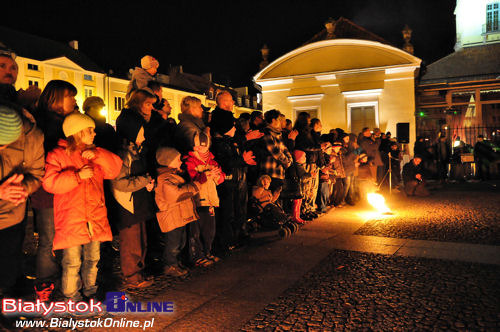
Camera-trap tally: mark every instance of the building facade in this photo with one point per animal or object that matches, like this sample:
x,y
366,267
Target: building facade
x,y
41,60
459,94
346,83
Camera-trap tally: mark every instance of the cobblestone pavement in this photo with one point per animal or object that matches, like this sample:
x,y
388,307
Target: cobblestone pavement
x,y
350,290
459,213
357,291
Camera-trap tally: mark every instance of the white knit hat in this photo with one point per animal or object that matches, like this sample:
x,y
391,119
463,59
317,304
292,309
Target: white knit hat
x,y
148,62
76,122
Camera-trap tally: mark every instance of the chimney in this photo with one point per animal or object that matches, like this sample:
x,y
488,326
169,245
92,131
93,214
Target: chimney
x,y
74,44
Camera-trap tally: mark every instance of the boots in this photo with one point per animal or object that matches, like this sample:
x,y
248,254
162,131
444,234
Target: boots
x,y
296,211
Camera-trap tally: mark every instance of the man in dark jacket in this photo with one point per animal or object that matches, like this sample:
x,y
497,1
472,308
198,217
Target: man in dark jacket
x,y
233,192
413,180
371,147
482,154
8,76
442,150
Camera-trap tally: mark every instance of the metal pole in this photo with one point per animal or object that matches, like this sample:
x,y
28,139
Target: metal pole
x,y
390,174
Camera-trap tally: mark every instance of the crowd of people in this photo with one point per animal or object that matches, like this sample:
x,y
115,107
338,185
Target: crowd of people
x,y
197,182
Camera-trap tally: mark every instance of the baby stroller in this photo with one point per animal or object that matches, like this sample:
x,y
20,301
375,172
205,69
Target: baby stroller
x,y
270,217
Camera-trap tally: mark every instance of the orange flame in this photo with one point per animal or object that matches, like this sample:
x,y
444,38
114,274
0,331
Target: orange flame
x,y
378,202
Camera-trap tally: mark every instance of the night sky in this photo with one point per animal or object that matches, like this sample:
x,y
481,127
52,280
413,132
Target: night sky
x,y
223,37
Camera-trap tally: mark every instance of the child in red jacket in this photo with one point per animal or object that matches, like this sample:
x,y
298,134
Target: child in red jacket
x,y
206,174
74,173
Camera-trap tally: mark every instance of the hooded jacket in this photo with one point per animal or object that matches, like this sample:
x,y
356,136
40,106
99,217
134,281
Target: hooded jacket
x,y
175,200
24,156
80,214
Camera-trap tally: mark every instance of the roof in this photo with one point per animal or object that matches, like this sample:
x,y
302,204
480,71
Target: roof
x,y
346,29
337,55
467,64
41,49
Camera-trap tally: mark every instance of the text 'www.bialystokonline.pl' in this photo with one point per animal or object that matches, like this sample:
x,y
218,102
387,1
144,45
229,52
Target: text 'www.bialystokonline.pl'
x,y
71,323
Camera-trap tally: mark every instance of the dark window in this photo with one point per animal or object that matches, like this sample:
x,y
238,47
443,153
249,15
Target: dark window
x,y
119,103
88,77
32,67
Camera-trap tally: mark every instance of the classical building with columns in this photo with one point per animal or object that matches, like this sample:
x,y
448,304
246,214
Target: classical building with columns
x,y
347,77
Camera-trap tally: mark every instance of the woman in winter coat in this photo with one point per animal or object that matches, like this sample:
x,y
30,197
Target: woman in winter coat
x,y
74,173
190,124
56,102
132,192
177,209
207,175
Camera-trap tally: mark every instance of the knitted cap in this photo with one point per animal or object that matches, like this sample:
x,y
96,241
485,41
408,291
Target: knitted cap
x,y
222,122
165,155
148,62
76,122
11,125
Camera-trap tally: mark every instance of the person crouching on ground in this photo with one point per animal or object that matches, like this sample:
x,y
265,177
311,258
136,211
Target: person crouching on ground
x,y
413,180
207,174
74,173
273,215
175,199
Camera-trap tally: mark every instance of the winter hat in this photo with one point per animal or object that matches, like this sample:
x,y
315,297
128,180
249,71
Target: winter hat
x,y
128,124
76,122
298,154
201,139
148,62
165,155
222,122
92,101
11,125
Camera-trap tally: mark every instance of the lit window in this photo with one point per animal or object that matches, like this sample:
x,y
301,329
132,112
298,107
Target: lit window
x,y
89,92
119,103
88,77
32,66
492,17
